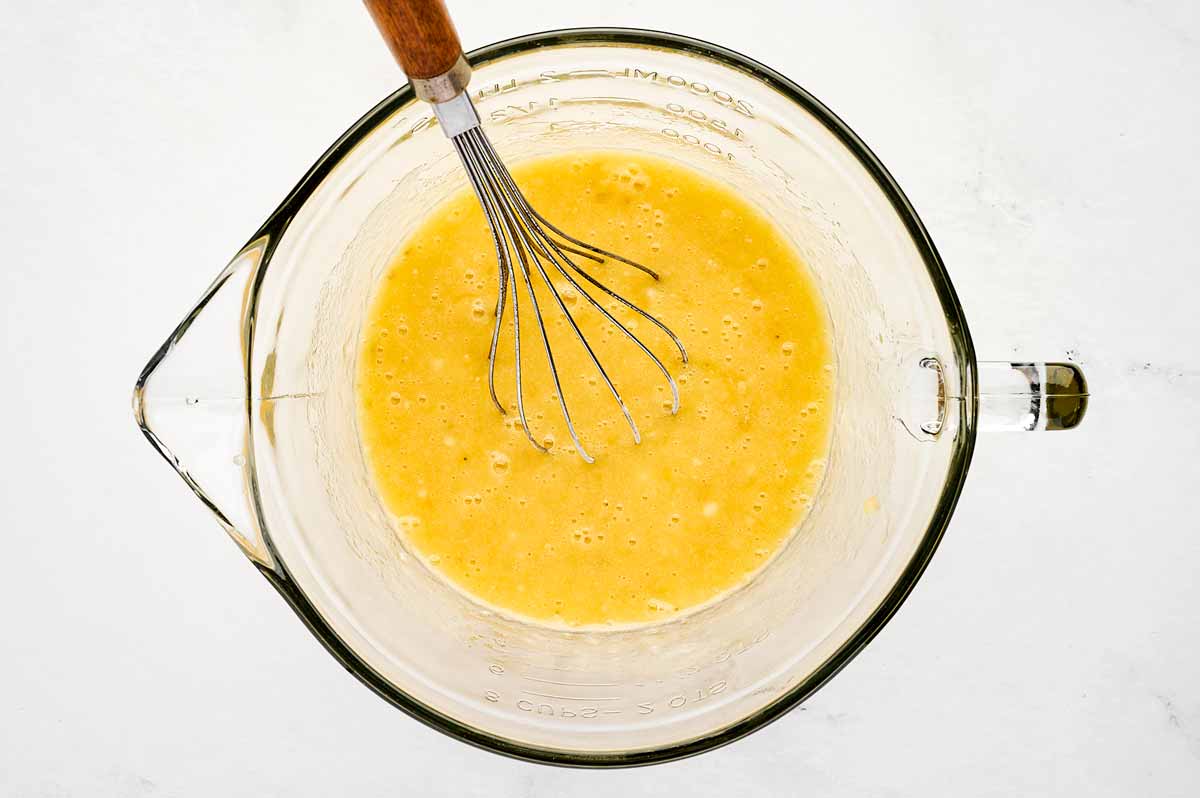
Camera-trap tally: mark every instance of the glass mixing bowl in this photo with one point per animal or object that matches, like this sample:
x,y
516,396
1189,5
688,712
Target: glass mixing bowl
x,y
251,400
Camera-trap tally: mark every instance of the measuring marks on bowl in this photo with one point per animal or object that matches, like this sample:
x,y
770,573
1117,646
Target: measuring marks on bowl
x,y
551,695
692,121
580,696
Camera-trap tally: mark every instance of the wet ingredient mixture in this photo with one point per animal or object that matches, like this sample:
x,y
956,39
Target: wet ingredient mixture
x,y
648,530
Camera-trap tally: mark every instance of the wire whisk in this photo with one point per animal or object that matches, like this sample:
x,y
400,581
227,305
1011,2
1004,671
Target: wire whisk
x,y
424,41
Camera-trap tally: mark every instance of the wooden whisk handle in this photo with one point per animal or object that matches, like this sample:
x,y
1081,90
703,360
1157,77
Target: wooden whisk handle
x,y
419,34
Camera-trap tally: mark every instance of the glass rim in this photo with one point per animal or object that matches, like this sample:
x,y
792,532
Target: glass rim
x,y
280,577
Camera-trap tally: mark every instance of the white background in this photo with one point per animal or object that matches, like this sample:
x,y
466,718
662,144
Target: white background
x,y
1053,648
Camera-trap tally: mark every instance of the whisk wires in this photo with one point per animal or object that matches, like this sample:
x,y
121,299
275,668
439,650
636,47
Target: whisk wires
x,y
529,247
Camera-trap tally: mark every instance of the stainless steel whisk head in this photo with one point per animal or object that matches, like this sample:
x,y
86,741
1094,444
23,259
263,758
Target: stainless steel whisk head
x,y
528,246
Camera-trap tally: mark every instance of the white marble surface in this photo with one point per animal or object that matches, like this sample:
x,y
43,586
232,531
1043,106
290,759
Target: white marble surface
x,y
1051,649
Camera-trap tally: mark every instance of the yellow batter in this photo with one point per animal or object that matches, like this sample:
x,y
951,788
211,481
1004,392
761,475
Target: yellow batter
x,y
648,530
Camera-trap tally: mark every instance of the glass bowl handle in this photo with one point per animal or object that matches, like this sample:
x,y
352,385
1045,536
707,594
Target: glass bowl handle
x,y
1029,397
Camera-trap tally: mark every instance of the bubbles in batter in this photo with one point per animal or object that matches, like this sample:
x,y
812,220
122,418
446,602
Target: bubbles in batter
x,y
647,531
